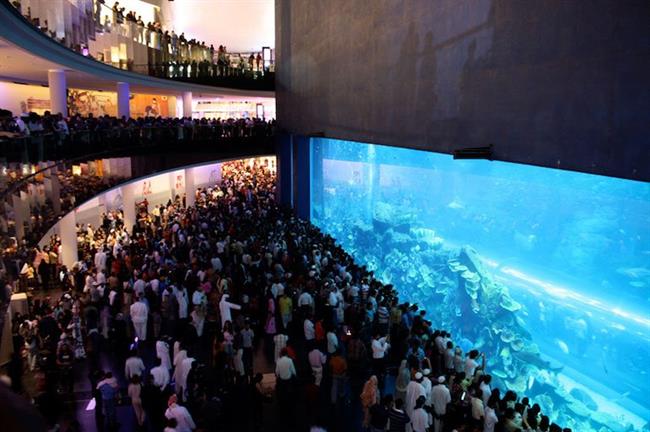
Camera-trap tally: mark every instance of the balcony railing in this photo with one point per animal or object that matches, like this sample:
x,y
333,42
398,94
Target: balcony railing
x,y
93,29
39,147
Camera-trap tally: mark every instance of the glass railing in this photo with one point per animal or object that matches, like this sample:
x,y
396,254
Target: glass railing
x,y
95,30
47,146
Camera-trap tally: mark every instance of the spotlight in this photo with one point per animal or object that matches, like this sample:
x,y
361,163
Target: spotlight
x,y
474,153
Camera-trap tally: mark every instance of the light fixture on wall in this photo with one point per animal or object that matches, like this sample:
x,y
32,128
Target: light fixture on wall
x,y
474,153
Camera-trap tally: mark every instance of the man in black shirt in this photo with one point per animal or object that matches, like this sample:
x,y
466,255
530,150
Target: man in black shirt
x,y
398,418
379,414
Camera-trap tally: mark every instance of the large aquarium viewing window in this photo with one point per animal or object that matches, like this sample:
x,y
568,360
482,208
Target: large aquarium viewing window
x,y
546,271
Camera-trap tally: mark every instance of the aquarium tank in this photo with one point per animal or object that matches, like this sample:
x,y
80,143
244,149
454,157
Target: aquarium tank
x,y
547,271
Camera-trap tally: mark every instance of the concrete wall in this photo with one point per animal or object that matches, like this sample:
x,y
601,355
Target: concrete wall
x,y
549,82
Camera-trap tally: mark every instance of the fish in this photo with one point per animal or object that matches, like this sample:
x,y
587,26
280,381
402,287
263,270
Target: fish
x,y
622,396
634,272
531,381
562,345
456,205
526,242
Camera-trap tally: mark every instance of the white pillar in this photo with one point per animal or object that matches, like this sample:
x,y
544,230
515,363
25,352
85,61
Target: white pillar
x,y
190,189
123,95
187,104
58,91
128,205
68,234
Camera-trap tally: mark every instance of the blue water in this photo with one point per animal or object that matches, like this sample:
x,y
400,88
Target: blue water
x,y
547,271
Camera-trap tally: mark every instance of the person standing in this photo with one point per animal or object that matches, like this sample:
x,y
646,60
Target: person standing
x,y
279,342
100,260
332,341
478,413
162,352
420,419
247,337
369,398
224,309
160,375
316,360
379,414
338,369
440,398
413,391
108,388
134,390
133,366
309,330
286,308
379,347
491,418
285,373
397,418
184,421
139,315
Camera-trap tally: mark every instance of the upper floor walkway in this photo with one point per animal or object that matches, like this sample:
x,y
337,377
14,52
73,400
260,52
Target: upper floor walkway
x,y
99,36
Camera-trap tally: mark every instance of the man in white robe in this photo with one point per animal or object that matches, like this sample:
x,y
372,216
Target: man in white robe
x,y
184,421
440,398
186,367
139,315
413,391
160,376
162,352
224,309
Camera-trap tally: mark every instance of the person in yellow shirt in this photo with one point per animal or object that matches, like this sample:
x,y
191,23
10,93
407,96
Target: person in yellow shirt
x,y
286,309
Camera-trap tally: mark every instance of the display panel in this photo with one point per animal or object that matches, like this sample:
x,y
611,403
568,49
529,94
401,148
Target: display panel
x,y
546,271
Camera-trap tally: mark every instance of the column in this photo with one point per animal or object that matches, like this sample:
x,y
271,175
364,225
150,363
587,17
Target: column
x,y
128,205
187,104
123,98
284,157
302,173
68,234
190,189
58,91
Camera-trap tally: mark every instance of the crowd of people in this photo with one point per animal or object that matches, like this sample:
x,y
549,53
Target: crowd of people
x,y
49,136
186,301
29,124
171,55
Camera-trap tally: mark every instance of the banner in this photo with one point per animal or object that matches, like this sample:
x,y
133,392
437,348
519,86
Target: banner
x,y
144,105
97,103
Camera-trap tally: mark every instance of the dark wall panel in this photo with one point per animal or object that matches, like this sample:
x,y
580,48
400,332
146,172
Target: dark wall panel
x,y
548,82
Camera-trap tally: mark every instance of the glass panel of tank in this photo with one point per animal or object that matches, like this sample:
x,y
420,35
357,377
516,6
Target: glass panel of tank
x,y
547,271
